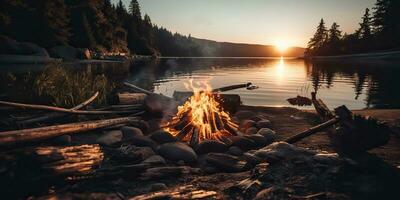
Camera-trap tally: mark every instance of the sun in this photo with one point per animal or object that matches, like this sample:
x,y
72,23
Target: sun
x,y
281,45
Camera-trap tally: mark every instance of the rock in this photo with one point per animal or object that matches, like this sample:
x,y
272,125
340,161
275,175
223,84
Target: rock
x,y
236,151
269,134
226,162
251,159
67,53
85,54
243,143
244,114
155,160
129,132
162,137
177,151
281,150
258,139
247,124
143,141
158,187
132,154
63,139
110,137
208,146
265,123
327,158
251,130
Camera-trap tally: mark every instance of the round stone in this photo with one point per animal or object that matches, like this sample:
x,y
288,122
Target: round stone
x,y
236,151
243,143
155,160
268,134
162,137
265,123
110,137
208,146
247,124
177,151
251,130
130,131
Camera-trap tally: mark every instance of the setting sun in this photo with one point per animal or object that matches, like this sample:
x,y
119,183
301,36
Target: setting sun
x,y
281,45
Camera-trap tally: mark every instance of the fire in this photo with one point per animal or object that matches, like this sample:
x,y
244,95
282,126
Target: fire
x,y
201,117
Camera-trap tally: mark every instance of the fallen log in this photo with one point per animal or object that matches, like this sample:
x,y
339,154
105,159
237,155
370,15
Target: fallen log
x,y
131,98
63,110
52,116
9,138
312,131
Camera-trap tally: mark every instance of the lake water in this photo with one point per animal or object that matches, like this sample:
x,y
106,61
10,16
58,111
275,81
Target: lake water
x,y
357,85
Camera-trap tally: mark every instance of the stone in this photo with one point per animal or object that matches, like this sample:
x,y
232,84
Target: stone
x,y
157,187
247,124
144,152
265,123
130,131
269,134
226,162
251,130
235,151
259,139
155,160
162,137
243,143
132,154
110,137
143,141
251,159
208,146
327,158
281,150
177,151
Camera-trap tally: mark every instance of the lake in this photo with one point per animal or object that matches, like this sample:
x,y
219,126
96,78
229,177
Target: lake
x,y
358,85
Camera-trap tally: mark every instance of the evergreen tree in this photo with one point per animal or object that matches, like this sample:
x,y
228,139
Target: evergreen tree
x,y
319,38
380,17
364,32
334,33
134,10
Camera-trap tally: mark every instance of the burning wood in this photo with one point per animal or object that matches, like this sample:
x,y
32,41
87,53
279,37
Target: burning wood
x,y
201,117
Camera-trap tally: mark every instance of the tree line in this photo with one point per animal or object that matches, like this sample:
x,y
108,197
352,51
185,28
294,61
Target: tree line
x,y
95,24
378,30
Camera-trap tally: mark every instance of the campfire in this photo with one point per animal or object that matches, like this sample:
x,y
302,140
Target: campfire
x,y
201,117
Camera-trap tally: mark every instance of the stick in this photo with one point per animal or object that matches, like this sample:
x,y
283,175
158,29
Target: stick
x,y
37,134
231,87
312,130
53,116
138,88
63,110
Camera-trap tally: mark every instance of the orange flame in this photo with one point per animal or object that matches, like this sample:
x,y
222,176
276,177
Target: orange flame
x,y
201,113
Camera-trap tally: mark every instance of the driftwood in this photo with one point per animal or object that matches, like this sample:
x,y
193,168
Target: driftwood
x,y
231,87
36,134
312,131
62,110
131,98
52,116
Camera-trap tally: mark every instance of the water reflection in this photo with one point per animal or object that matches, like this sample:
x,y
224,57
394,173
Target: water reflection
x,y
357,85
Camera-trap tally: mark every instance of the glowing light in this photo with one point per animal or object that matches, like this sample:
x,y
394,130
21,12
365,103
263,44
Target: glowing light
x,y
281,45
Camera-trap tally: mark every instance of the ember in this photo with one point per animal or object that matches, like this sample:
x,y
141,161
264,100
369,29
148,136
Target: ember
x,y
201,117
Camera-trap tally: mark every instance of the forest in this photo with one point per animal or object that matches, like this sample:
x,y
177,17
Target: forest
x,y
101,26
379,30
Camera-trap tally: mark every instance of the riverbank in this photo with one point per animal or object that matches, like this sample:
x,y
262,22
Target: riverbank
x,y
387,55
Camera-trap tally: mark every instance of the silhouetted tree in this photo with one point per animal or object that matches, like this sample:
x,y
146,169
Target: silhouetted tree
x,y
365,26
319,38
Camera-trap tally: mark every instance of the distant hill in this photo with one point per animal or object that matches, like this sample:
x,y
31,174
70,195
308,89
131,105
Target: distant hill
x,y
210,48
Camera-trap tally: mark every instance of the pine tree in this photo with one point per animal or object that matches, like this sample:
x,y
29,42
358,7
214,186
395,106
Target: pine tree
x,y
380,17
134,10
334,33
364,31
319,38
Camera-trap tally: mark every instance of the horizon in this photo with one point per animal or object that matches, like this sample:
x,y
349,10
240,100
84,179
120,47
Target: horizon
x,y
289,24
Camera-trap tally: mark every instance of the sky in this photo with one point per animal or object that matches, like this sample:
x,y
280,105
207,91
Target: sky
x,y
276,22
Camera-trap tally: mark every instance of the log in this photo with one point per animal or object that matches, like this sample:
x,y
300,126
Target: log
x,y
131,98
144,91
52,116
36,134
62,110
312,131
231,87
322,110
194,140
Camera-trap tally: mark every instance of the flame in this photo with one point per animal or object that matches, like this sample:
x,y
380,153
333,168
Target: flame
x,y
202,114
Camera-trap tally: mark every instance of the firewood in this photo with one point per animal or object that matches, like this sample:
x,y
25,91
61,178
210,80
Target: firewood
x,y
52,116
194,140
36,134
131,98
187,129
62,110
218,121
231,87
